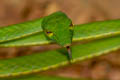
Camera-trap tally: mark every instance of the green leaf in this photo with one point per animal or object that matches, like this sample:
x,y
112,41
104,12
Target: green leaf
x,y
30,33
20,30
81,32
55,58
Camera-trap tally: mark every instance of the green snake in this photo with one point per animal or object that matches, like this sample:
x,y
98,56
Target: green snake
x,y
56,27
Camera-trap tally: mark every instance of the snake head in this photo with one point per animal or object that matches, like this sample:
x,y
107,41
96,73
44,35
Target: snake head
x,y
58,27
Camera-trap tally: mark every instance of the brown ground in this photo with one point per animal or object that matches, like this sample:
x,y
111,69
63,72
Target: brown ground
x,y
80,11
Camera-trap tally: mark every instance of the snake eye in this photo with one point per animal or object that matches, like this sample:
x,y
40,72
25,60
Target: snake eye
x,y
71,26
49,33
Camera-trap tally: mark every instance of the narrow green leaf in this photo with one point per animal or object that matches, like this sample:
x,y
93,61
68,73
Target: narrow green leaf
x,y
81,32
55,58
37,39
20,30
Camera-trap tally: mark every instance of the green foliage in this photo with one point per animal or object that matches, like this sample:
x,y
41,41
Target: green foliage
x,y
55,58
102,38
20,30
82,32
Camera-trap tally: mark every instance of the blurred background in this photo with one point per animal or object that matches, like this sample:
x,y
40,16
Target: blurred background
x,y
80,11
